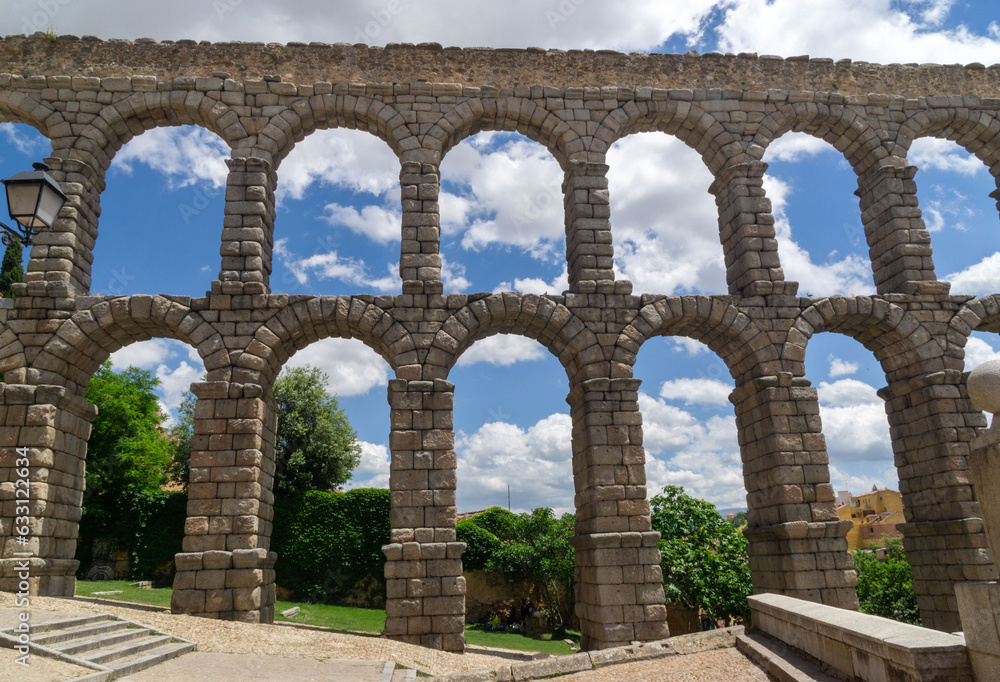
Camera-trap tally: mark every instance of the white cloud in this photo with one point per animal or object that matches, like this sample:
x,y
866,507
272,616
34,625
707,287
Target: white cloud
x,y
505,190
848,275
944,155
862,482
797,147
978,279
352,367
330,265
840,367
144,355
874,30
535,463
697,391
854,421
978,350
377,223
503,350
689,345
24,139
177,381
373,469
350,159
453,276
536,285
631,24
186,156
665,221
666,427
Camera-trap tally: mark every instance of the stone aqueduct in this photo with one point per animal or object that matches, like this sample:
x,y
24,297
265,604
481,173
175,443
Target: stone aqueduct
x,y
89,97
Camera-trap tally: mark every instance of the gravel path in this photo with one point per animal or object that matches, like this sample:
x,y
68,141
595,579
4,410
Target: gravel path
x,y
308,642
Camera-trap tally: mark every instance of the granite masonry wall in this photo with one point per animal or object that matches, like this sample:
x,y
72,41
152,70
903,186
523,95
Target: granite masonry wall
x,y
90,97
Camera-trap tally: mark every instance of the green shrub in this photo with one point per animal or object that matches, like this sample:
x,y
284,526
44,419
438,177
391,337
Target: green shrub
x,y
498,521
151,556
482,544
885,587
328,542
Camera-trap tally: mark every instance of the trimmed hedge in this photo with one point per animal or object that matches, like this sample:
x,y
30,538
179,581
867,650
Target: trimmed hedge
x,y
497,521
327,542
482,544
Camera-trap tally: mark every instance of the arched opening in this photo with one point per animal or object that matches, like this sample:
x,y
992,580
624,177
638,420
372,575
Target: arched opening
x,y
162,214
817,221
954,188
136,470
514,451
501,194
337,230
331,392
663,218
690,438
20,146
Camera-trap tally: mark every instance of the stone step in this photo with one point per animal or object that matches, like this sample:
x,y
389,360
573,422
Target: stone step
x,y
111,656
781,661
150,658
404,675
53,639
104,641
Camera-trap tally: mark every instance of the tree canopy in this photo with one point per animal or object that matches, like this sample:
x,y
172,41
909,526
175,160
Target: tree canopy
x,y
12,268
885,586
128,455
704,559
316,448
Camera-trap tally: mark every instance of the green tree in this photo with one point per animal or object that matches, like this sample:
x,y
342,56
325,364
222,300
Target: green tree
x,y
182,432
536,548
12,269
704,559
316,447
128,456
885,586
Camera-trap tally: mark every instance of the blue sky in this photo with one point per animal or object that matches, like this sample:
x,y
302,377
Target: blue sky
x,y
337,227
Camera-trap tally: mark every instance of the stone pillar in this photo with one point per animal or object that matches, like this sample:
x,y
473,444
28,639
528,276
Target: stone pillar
x,y
590,253
53,426
932,422
746,230
898,242
225,570
248,225
61,256
979,602
798,545
425,590
619,583
420,257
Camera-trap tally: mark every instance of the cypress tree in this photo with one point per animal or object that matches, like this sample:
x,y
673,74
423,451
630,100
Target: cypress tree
x,y
11,270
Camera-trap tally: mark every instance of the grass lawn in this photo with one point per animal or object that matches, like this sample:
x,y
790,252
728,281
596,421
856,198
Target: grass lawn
x,y
333,617
157,597
474,634
330,616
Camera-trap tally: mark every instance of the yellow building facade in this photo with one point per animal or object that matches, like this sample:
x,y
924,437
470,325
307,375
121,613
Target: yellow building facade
x,y
874,516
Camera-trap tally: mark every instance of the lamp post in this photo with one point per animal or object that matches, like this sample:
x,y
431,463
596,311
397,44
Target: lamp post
x,y
34,200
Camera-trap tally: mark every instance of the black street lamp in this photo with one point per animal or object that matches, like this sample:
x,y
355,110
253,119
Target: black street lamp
x,y
34,200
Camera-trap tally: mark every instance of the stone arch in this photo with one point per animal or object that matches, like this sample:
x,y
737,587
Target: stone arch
x,y
978,132
11,349
282,131
552,324
513,114
981,314
118,123
16,107
713,320
686,121
90,336
896,338
303,322
847,130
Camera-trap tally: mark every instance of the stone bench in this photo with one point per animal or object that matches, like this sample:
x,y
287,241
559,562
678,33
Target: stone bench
x,y
859,646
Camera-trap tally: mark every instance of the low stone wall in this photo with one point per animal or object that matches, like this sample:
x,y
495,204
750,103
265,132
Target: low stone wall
x,y
860,646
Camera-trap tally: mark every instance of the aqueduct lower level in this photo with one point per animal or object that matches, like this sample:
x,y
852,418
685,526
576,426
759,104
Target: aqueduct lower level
x,y
90,97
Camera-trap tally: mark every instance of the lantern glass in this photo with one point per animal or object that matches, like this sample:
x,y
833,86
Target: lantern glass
x,y
34,199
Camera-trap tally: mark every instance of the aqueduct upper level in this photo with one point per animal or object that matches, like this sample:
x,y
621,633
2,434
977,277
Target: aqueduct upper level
x,y
90,97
